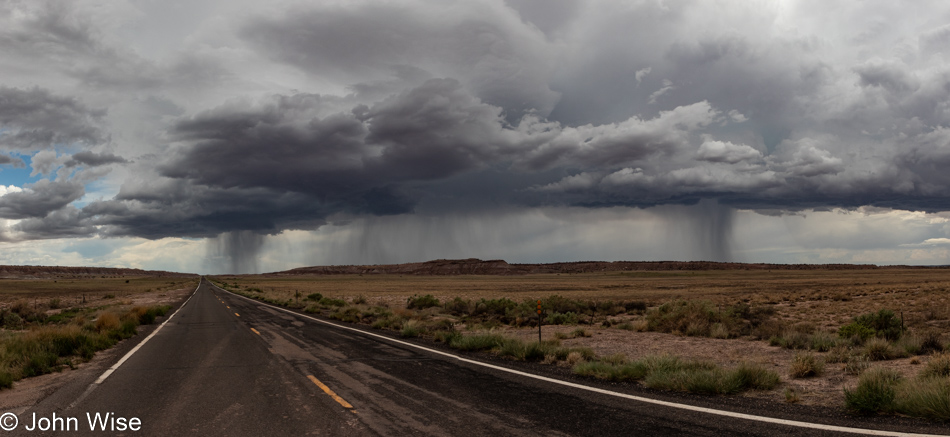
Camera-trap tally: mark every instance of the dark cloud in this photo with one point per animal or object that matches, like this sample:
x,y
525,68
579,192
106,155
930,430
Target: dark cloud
x,y
34,119
92,159
157,207
12,161
346,158
487,47
39,199
266,119
46,28
62,223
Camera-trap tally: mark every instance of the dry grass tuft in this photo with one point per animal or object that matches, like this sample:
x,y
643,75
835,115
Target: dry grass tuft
x,y
806,365
107,322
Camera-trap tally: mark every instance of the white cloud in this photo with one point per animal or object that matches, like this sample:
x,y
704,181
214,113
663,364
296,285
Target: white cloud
x,y
4,189
727,152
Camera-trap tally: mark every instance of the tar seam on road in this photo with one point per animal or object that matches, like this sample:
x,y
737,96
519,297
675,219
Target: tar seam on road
x,y
129,354
327,390
786,422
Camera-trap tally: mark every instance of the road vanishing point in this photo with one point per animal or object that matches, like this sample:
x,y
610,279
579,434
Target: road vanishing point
x,y
225,365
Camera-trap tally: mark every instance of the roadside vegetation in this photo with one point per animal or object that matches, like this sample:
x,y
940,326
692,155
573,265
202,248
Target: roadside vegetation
x,y
882,390
33,343
57,322
852,340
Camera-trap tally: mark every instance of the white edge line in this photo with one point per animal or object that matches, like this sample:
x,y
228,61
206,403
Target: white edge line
x,y
138,346
793,423
129,354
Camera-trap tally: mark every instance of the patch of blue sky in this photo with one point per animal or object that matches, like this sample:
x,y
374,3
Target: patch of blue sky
x,y
10,175
96,190
95,247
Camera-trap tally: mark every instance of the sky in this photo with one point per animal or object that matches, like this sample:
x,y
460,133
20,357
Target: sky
x,y
234,136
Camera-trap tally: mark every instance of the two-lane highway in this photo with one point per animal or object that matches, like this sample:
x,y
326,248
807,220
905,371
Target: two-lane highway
x,y
225,365
205,373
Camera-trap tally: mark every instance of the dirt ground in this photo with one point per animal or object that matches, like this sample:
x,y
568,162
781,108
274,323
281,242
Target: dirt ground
x,y
825,390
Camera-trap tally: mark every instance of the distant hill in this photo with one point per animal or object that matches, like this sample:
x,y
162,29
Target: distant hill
x,y
473,266
42,272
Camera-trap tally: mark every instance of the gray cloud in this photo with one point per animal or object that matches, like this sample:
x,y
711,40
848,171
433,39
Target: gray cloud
x,y
65,222
486,46
39,199
92,159
33,119
11,161
266,119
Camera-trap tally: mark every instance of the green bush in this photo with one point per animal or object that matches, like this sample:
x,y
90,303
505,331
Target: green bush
x,y
459,306
559,304
754,376
388,322
422,302
672,373
924,397
568,318
328,302
494,307
348,314
410,329
875,391
702,318
530,351
856,330
611,371
882,324
681,316
316,297
877,349
476,342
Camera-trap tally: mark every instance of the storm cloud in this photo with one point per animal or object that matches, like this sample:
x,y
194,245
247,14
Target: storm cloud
x,y
236,121
35,119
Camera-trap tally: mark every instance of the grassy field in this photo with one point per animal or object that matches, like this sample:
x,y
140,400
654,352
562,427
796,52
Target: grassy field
x,y
822,297
71,288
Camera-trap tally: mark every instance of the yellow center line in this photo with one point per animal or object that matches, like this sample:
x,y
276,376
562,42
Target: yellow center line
x,y
228,307
255,331
236,314
327,390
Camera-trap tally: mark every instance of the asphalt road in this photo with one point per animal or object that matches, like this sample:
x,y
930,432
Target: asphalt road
x,y
227,366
